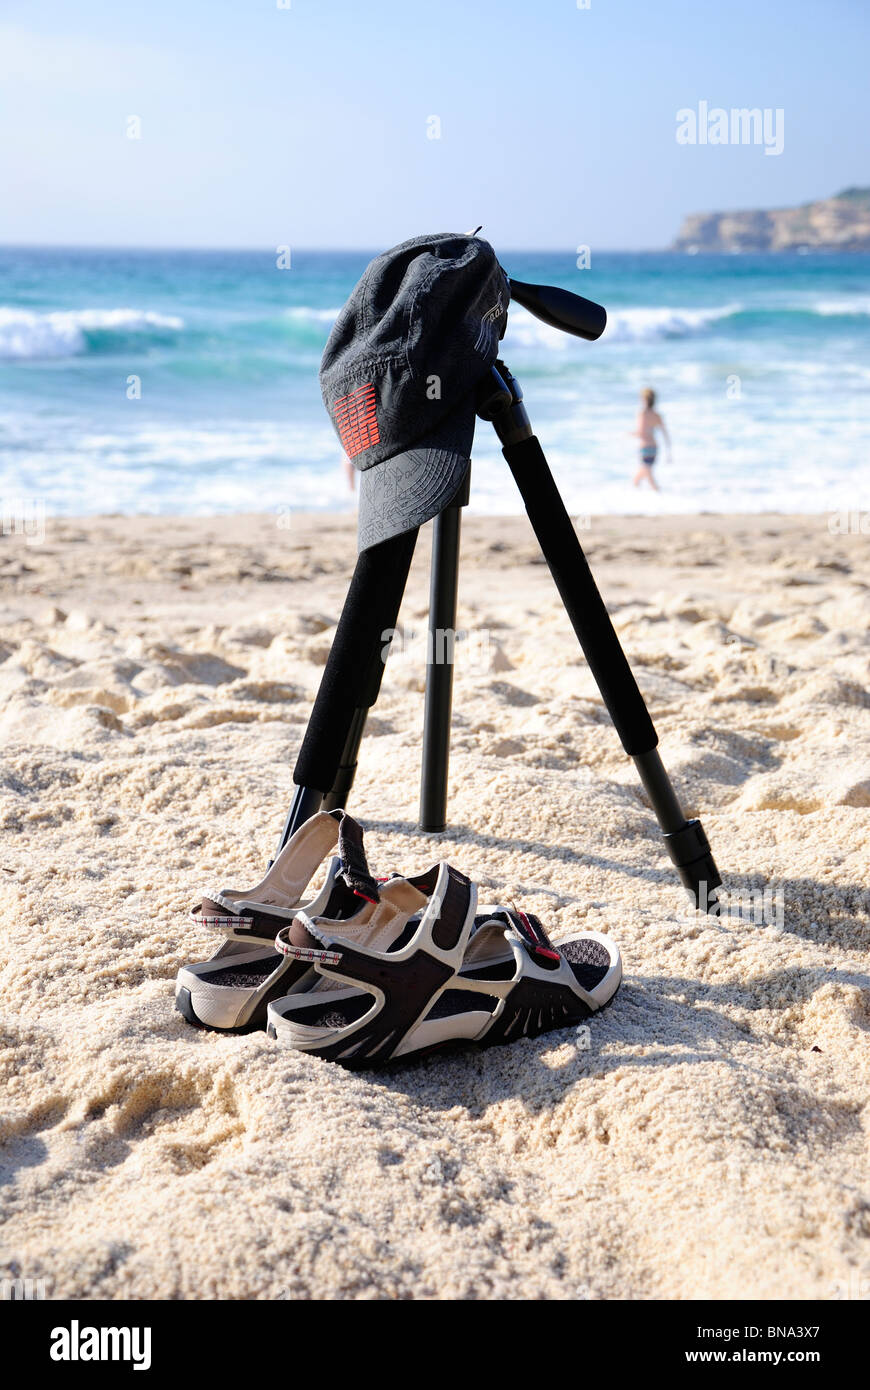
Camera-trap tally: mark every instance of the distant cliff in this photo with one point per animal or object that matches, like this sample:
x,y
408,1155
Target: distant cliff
x,y
841,223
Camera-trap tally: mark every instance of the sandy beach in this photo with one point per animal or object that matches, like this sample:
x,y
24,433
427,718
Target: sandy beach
x,y
156,676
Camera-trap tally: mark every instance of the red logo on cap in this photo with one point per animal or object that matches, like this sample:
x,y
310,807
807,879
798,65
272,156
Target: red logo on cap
x,y
355,420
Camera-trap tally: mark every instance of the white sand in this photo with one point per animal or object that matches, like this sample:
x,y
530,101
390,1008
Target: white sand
x,y
156,679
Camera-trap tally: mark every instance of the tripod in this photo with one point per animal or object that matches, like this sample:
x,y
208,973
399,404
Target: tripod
x,y
351,680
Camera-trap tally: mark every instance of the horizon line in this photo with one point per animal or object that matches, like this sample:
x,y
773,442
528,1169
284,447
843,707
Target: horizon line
x,y
270,250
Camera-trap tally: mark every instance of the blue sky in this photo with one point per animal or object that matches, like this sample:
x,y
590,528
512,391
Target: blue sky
x,y
308,126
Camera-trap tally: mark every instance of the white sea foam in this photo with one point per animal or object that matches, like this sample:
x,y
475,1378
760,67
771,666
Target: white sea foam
x,y
304,311
63,333
848,307
631,325
727,457
643,324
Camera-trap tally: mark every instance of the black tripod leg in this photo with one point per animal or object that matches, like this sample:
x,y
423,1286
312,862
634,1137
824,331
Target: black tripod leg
x,y
439,670
351,680
685,839
346,771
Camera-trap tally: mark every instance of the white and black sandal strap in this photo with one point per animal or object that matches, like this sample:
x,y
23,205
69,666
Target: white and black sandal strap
x,y
403,983
244,917
354,866
299,949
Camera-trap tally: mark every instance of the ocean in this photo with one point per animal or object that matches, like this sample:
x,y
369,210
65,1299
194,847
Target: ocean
x,y
761,365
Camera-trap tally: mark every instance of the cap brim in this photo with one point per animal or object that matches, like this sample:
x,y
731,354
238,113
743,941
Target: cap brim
x,y
407,490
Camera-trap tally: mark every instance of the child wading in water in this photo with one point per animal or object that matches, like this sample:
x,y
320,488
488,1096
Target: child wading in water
x,y
648,421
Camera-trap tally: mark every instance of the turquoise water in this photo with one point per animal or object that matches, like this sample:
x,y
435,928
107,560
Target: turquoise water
x,y
762,365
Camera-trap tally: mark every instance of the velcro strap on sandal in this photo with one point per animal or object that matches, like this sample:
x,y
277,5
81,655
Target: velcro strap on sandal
x,y
354,865
532,934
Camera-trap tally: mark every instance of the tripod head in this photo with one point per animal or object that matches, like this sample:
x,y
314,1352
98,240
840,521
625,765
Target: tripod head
x,y
561,309
499,396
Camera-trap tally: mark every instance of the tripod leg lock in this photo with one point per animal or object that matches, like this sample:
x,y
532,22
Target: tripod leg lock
x,y
690,851
339,795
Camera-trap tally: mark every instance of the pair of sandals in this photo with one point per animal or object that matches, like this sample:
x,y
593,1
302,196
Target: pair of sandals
x,y
370,970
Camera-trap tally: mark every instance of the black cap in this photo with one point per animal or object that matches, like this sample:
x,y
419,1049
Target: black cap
x,y
400,370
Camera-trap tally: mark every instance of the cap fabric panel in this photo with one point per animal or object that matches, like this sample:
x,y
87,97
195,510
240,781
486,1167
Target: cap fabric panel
x,y
399,373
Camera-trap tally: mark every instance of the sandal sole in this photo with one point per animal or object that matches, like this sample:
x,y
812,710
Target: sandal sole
x,y
501,1038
